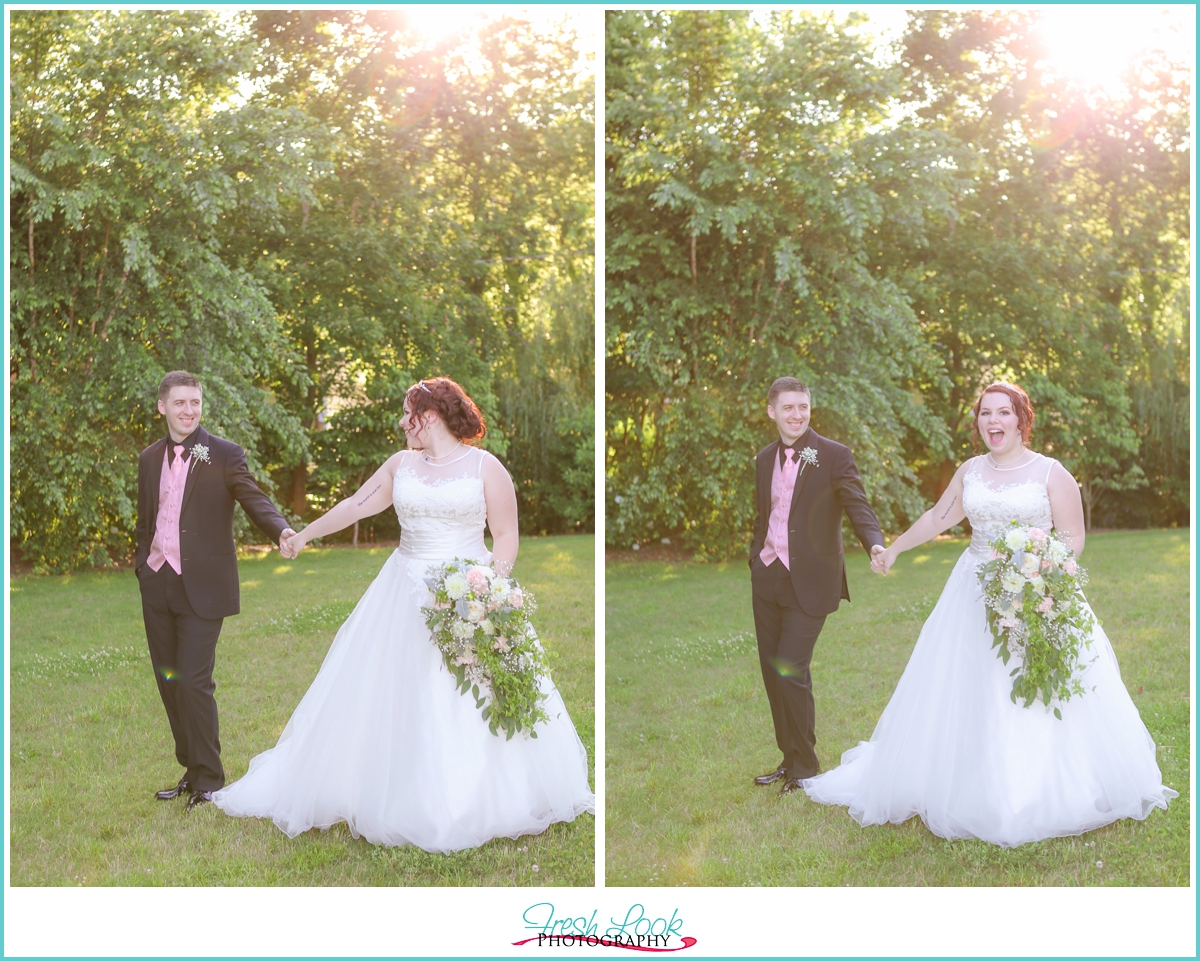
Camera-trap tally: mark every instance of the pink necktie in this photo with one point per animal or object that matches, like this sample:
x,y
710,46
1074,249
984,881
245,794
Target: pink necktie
x,y
177,465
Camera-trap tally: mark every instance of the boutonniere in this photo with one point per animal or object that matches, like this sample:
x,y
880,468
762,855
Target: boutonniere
x,y
808,456
199,453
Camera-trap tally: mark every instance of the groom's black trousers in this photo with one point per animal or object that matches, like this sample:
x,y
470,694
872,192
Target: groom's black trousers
x,y
183,649
786,637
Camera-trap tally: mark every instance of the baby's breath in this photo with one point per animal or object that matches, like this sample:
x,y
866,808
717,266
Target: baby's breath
x,y
479,620
1033,592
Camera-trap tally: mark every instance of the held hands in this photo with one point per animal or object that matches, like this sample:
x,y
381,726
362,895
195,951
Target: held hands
x,y
882,559
290,544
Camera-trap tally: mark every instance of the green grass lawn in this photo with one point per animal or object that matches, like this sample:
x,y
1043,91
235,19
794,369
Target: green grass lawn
x,y
91,744
688,727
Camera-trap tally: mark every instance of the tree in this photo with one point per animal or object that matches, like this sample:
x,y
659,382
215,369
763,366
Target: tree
x,y
130,159
748,172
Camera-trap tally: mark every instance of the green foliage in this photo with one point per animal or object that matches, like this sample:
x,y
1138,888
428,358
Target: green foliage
x,y
897,237
452,236
1063,264
130,166
308,210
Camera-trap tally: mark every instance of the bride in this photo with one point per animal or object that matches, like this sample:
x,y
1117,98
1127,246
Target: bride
x,y
951,746
382,739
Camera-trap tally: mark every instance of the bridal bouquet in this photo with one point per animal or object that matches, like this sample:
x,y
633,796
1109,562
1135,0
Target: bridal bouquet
x,y
1032,587
480,622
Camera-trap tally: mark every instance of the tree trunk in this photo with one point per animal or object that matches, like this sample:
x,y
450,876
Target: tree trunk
x,y
945,476
354,543
299,489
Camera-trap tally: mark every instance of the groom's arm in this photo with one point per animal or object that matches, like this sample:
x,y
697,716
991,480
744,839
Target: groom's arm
x,y
848,485
760,522
242,487
142,527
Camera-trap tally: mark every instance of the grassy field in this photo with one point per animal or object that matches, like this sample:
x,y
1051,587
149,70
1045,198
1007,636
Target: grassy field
x,y
688,726
91,745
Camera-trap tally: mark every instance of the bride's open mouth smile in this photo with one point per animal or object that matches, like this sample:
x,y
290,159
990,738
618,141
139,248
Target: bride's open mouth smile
x,y
995,436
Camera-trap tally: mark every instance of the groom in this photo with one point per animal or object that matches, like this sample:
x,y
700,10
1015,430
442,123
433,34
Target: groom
x,y
187,570
803,483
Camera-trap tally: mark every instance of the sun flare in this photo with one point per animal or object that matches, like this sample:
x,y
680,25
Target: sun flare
x,y
1095,44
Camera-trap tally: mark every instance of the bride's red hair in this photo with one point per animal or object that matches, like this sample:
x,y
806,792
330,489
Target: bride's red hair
x,y
1021,406
450,402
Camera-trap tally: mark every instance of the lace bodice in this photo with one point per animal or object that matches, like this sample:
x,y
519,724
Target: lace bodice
x,y
993,498
441,508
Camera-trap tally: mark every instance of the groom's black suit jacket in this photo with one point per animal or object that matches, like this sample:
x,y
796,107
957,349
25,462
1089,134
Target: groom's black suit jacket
x,y
822,492
207,552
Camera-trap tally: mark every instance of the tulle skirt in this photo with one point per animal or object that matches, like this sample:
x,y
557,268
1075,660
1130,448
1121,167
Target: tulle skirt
x,y
383,741
953,749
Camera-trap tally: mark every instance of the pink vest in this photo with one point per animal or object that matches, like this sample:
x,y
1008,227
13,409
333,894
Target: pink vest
x,y
783,483
165,546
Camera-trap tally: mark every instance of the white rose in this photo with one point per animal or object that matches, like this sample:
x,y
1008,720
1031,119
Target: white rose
x,y
1037,582
1031,564
475,611
456,585
1015,539
1012,582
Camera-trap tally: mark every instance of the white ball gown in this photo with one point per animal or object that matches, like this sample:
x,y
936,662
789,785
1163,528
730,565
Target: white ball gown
x,y
953,749
383,740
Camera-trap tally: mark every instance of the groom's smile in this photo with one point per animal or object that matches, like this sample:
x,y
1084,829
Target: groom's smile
x,y
790,412
182,408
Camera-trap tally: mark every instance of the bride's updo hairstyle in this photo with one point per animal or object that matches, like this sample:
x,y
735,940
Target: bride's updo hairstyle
x,y
1020,404
450,402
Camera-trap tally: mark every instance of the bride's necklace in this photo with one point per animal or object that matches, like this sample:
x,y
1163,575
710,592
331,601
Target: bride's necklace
x,y
992,463
438,457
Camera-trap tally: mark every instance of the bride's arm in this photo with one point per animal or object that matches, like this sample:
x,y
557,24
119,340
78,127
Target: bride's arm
x,y
1066,507
374,496
501,498
947,512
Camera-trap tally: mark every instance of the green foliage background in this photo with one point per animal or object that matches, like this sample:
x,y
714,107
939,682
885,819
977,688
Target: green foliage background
x,y
309,210
897,233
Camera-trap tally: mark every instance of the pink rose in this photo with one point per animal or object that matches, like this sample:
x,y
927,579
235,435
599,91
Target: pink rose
x,y
1047,563
1047,605
477,580
1037,534
1008,622
1070,566
516,599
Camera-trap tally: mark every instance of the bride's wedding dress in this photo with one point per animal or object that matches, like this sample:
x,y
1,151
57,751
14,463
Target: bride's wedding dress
x,y
383,740
952,748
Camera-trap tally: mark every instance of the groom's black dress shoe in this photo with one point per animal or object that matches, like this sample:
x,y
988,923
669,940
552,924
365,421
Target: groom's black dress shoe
x,y
778,774
792,786
198,798
170,793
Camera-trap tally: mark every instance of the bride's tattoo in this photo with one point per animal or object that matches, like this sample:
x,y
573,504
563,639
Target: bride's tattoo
x,y
370,495
950,508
